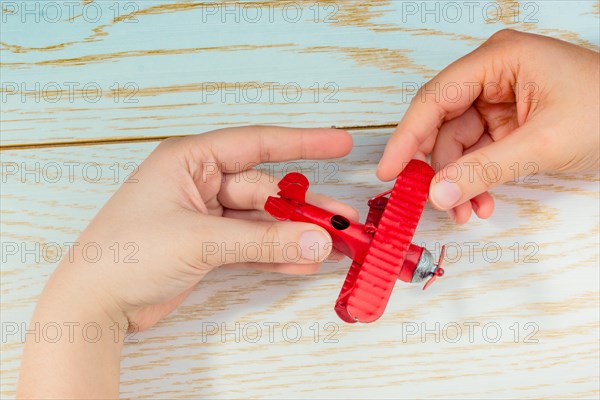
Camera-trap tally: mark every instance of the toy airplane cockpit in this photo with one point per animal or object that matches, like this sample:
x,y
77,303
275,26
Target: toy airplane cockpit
x,y
381,249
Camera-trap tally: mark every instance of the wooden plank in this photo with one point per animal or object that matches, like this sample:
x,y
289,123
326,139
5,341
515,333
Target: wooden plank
x,y
106,70
549,296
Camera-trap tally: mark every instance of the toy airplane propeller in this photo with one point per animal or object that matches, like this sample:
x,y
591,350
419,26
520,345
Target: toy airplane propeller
x,y
381,249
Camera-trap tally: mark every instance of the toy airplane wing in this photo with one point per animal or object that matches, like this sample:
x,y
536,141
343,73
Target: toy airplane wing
x,y
368,287
381,249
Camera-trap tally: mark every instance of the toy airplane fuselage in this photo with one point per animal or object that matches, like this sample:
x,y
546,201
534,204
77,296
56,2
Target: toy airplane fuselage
x,y
381,249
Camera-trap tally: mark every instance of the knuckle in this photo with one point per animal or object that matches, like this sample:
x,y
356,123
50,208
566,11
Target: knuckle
x,y
503,35
506,41
168,144
259,196
417,98
421,94
270,234
483,167
264,150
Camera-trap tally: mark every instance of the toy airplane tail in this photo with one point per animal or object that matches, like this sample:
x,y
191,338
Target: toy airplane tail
x,y
293,187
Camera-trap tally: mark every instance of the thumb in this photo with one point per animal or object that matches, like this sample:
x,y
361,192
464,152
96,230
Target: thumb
x,y
508,159
242,241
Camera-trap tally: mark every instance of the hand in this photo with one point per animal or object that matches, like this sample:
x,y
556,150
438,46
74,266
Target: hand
x,y
520,103
197,204
194,204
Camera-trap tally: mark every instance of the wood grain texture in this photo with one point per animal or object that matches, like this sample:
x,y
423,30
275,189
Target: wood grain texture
x,y
181,67
113,70
552,284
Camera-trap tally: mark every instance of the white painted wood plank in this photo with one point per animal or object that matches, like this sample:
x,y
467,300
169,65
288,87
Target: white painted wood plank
x,y
184,67
558,295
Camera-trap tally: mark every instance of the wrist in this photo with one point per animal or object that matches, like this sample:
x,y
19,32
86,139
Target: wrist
x,y
74,294
76,349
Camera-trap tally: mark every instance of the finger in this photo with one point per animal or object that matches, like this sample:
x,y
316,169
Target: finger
x,y
287,268
253,215
431,107
242,192
239,149
335,255
248,190
461,213
248,215
483,205
485,168
254,241
283,268
455,136
483,141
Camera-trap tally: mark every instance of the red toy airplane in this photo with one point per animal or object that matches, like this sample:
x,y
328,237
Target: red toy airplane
x,y
381,249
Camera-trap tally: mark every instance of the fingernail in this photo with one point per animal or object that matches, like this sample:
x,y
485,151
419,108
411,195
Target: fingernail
x,y
315,246
445,194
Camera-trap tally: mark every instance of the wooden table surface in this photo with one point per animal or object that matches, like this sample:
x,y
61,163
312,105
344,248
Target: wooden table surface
x,y
89,88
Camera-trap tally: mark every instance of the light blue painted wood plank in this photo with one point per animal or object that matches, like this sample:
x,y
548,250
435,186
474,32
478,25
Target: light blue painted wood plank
x,y
189,67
